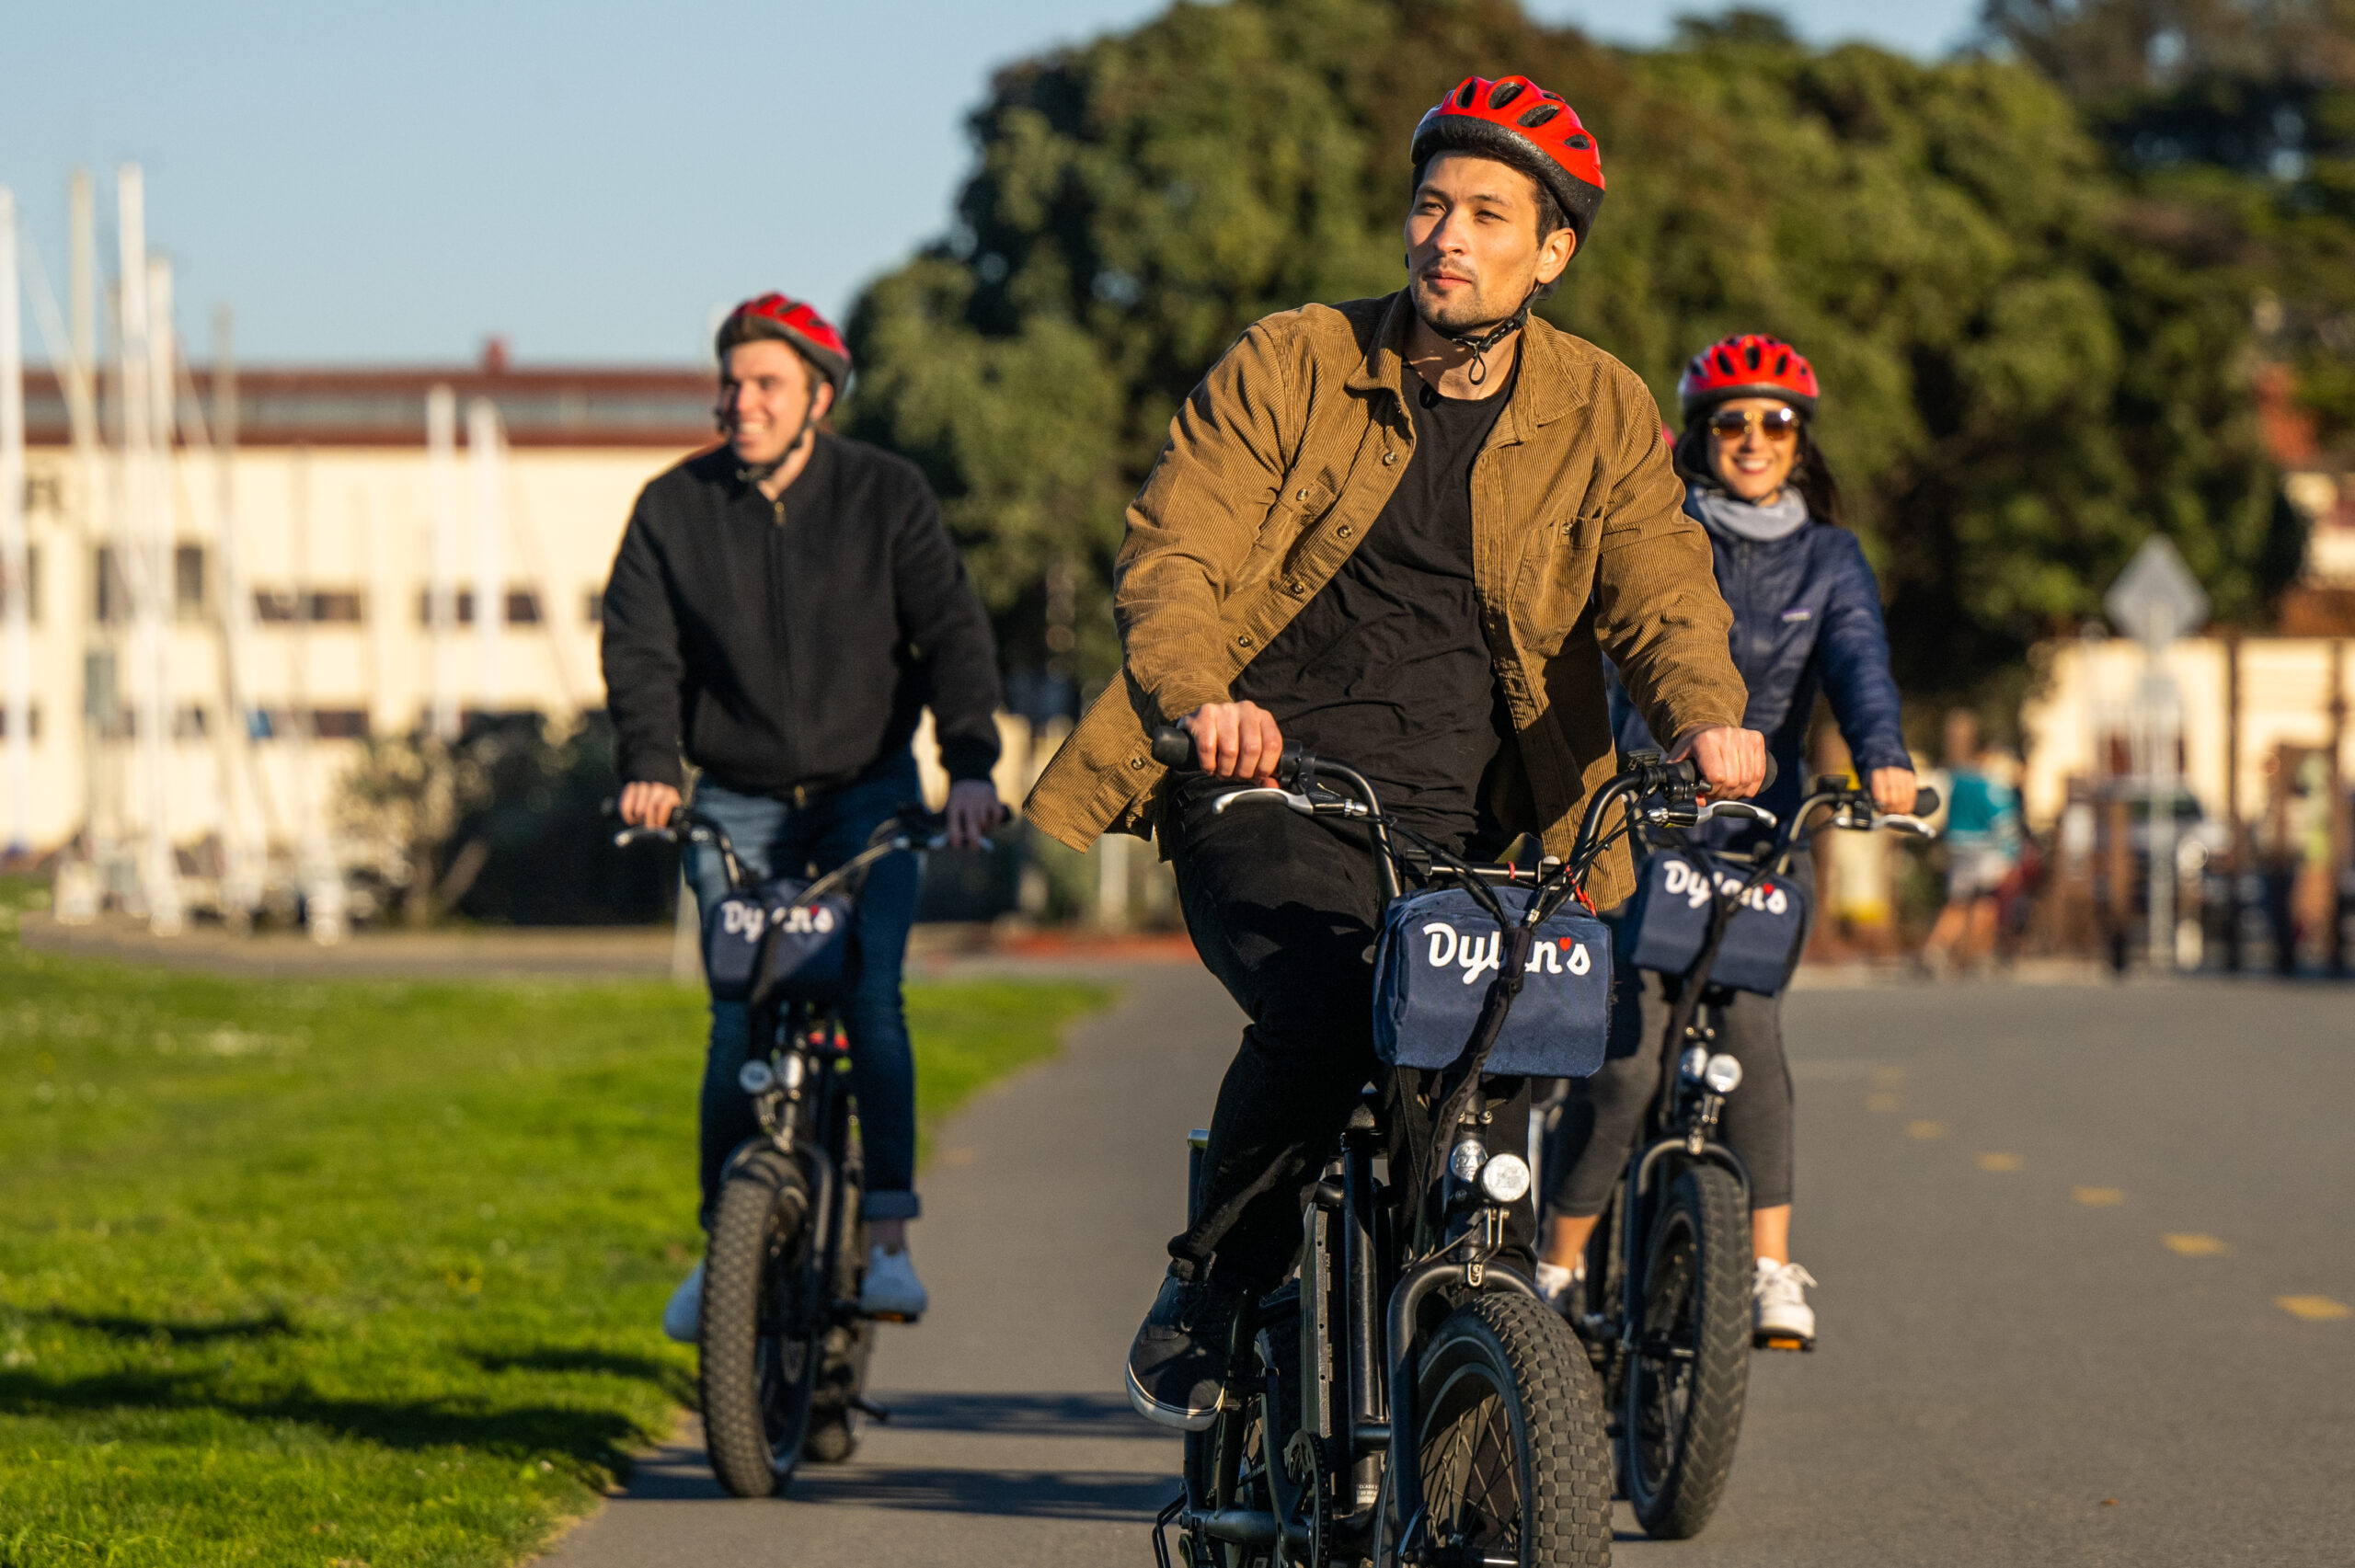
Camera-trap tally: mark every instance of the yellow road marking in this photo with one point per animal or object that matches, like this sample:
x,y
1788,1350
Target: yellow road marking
x,y
2098,1198
1995,1162
1887,1077
2313,1308
1926,1129
1883,1102
2193,1245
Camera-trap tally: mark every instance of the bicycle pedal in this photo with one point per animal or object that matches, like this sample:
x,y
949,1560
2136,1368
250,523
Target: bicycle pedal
x,y
894,1317
869,1408
1782,1342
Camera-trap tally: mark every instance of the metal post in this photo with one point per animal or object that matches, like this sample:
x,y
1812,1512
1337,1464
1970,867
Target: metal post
x,y
2335,822
246,847
77,889
2158,698
483,466
15,611
2237,849
441,555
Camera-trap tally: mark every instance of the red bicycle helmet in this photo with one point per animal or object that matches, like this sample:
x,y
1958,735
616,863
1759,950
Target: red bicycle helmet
x,y
790,320
1748,365
1516,121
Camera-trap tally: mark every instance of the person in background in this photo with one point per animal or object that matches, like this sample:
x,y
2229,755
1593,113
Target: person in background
x,y
1982,843
782,609
1807,620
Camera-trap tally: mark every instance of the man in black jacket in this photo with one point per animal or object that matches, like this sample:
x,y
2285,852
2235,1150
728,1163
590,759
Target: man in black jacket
x,y
782,609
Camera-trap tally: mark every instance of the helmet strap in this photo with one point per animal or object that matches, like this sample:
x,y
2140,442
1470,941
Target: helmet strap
x,y
1481,342
759,473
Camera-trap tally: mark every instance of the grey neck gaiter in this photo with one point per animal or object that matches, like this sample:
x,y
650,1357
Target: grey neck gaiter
x,y
1760,525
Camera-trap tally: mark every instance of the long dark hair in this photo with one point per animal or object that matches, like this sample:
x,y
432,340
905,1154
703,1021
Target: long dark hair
x,y
1810,475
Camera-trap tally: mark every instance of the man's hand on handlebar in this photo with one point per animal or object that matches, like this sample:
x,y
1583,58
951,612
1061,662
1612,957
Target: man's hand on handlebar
x,y
1235,740
1732,762
646,805
1894,789
973,810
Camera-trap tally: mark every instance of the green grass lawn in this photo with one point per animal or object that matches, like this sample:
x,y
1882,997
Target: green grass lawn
x,y
356,1272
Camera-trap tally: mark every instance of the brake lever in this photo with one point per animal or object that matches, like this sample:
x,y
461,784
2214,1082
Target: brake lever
x,y
629,836
1906,822
1736,808
1299,803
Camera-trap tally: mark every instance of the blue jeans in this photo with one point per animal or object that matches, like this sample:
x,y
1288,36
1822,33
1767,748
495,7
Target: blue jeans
x,y
774,838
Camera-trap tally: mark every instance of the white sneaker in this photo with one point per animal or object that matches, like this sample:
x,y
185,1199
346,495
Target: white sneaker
x,y
1781,1317
892,1289
682,1319
1555,1283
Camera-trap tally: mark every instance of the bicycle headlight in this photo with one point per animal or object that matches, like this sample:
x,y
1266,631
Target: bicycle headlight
x,y
1723,1074
756,1077
1505,1178
1467,1159
1694,1064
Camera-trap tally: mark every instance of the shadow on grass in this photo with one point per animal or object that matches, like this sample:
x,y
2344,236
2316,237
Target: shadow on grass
x,y
676,1381
270,1325
595,1439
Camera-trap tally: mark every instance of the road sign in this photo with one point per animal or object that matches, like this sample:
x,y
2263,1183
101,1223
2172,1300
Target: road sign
x,y
2156,599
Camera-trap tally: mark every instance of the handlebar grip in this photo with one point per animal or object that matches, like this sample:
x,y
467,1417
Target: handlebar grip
x,y
1173,747
1925,801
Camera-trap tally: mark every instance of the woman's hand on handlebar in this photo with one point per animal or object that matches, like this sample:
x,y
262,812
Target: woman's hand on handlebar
x,y
973,809
1732,762
1235,740
647,805
1894,790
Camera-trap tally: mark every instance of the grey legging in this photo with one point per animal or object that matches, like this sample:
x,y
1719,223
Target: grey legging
x,y
1601,1119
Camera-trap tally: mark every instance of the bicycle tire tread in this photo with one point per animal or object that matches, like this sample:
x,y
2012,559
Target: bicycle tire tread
x,y
1682,1508
1569,1459
736,1438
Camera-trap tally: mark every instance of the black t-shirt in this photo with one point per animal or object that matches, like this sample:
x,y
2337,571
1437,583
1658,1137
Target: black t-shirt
x,y
1387,668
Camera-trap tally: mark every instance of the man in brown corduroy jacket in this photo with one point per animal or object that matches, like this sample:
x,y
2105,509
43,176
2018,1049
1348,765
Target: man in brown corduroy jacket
x,y
1403,532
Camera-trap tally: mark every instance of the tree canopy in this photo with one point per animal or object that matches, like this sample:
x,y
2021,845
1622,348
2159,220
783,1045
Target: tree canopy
x,y
2029,361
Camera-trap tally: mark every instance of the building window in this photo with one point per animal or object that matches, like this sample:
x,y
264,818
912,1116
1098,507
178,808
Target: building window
x,y
33,721
340,724
522,607
462,608
188,722
188,579
279,607
44,493
113,587
32,583
596,615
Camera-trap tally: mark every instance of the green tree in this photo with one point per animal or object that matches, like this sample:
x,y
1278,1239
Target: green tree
x,y
2020,383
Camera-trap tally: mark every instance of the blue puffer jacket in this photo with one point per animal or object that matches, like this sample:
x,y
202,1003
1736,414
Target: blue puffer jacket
x,y
1806,617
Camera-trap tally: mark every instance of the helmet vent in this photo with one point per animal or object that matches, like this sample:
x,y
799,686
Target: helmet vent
x,y
1782,362
1750,356
1505,93
1464,94
1725,363
1538,116
1581,142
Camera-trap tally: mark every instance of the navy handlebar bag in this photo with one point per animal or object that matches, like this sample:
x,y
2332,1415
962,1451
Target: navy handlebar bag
x,y
1437,953
1668,920
771,942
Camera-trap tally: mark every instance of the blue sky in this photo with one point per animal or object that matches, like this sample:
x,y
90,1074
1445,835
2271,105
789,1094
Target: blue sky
x,y
371,183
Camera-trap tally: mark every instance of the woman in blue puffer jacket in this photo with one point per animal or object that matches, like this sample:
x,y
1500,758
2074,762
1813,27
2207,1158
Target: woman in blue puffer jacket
x,y
1806,619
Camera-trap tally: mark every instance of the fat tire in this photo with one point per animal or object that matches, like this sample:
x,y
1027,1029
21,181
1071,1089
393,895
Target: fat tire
x,y
1553,1407
762,1211
1706,1200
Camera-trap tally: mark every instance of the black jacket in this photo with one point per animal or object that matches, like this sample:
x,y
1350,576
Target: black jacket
x,y
790,646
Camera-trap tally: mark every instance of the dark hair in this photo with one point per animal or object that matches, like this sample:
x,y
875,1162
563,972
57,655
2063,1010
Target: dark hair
x,y
1810,475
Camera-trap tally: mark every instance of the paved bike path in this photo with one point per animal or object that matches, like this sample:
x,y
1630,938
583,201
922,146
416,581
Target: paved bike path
x,y
1047,1205
2081,1249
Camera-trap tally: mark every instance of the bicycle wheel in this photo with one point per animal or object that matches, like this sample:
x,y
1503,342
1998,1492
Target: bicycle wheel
x,y
758,1341
1690,1371
1229,1464
1509,1440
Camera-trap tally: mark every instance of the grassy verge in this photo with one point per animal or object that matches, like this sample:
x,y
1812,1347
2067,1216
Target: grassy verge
x,y
352,1273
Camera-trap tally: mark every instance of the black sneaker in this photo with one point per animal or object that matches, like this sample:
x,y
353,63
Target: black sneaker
x,y
1178,1363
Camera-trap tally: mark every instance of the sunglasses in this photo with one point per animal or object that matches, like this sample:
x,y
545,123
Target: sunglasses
x,y
1775,424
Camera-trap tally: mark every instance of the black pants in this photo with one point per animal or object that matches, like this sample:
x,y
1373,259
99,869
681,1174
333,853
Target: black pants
x,y
1284,910
1603,1115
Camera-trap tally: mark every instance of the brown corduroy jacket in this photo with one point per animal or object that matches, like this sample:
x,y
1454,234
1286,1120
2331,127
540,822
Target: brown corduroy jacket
x,y
1283,458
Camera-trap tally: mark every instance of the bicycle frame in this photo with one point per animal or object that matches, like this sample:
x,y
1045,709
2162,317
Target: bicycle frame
x,y
1363,1284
